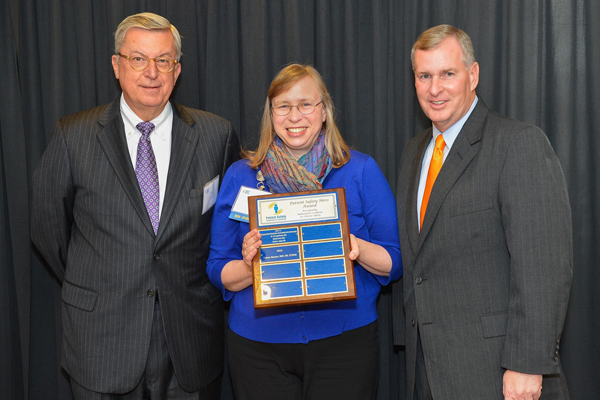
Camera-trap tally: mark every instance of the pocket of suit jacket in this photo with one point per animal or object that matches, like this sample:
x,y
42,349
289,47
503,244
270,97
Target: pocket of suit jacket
x,y
471,207
79,297
494,324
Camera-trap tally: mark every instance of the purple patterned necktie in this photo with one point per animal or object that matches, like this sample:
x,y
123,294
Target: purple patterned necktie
x,y
147,173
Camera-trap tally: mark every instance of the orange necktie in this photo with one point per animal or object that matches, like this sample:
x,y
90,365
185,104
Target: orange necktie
x,y
435,166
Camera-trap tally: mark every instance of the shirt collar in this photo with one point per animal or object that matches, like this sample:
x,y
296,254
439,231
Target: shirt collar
x,y
130,120
451,133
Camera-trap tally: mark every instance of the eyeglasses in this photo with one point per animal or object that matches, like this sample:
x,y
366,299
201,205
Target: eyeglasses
x,y
139,63
284,109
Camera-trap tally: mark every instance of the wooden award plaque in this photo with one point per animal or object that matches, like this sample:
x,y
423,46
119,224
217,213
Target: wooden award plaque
x,y
305,244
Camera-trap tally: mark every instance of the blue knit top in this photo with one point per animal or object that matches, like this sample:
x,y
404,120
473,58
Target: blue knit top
x,y
371,217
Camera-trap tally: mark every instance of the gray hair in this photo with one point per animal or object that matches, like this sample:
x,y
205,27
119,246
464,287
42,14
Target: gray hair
x,y
432,38
148,21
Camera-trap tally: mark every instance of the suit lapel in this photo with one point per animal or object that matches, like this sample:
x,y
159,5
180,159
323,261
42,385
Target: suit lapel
x,y
460,156
412,221
183,147
112,139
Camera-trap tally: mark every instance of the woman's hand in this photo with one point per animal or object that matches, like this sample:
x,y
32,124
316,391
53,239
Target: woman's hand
x,y
372,257
354,248
237,274
250,246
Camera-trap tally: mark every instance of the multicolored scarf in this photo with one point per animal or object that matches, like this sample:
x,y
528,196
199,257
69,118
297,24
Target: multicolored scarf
x,y
283,173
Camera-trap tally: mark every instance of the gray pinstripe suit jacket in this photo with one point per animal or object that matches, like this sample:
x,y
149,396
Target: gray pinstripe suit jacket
x,y
90,223
487,280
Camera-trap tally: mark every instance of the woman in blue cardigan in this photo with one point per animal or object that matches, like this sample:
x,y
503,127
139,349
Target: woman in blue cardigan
x,y
318,351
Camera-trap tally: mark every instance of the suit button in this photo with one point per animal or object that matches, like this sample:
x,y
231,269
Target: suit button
x,y
418,280
557,347
555,359
556,352
412,322
156,257
150,292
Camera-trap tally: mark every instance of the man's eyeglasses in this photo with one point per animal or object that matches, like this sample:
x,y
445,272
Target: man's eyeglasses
x,y
304,108
139,63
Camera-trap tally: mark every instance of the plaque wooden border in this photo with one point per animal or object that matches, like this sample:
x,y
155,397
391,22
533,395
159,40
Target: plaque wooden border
x,y
305,298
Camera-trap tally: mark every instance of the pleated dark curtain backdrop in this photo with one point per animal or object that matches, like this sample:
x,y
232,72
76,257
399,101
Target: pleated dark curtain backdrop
x,y
539,63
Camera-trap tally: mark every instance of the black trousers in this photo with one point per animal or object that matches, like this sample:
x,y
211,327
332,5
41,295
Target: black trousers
x,y
158,381
340,367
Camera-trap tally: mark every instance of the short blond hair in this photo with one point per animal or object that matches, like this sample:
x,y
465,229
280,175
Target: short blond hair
x,y
148,21
283,81
432,38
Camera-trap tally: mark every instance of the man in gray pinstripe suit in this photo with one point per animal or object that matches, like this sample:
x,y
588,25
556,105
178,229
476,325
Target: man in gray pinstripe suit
x,y
487,250
140,318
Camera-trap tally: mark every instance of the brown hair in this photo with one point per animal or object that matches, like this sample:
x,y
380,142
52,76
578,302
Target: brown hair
x,y
432,38
285,79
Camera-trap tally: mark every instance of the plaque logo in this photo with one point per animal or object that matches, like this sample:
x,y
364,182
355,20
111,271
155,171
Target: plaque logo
x,y
275,208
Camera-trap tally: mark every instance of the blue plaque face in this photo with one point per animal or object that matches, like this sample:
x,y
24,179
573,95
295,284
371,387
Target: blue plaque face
x,y
326,285
279,253
277,290
277,236
328,266
323,249
322,232
281,271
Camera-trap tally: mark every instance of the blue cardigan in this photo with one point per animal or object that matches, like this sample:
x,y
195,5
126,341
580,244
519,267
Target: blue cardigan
x,y
372,217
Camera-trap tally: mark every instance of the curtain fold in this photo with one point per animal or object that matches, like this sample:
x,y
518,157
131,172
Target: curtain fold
x,y
14,221
538,62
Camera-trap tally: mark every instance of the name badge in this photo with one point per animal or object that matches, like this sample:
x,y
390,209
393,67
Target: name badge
x,y
211,189
239,211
